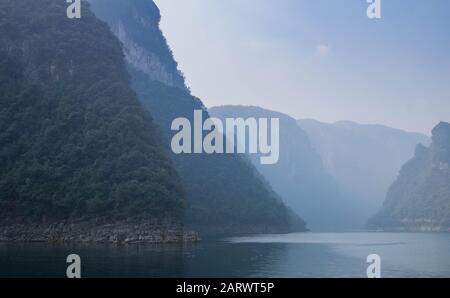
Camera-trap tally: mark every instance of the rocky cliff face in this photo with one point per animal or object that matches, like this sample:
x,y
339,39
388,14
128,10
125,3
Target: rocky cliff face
x,y
420,197
137,27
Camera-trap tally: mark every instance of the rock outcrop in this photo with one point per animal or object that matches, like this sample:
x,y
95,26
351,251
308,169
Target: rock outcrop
x,y
419,200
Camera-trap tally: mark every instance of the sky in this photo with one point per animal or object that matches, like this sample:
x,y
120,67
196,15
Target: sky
x,y
320,59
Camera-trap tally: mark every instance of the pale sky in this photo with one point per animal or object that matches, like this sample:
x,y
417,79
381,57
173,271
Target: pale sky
x,y
321,59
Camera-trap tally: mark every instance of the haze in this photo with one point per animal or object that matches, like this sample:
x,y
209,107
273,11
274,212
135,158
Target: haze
x,y
317,59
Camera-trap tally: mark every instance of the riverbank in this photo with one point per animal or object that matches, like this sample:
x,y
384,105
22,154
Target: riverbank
x,y
87,232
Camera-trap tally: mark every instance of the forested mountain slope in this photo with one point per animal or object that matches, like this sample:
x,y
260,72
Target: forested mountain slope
x,y
76,145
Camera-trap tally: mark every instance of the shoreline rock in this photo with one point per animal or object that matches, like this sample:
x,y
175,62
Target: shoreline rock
x,y
117,233
418,229
412,225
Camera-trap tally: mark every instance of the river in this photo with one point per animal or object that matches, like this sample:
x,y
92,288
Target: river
x,y
289,255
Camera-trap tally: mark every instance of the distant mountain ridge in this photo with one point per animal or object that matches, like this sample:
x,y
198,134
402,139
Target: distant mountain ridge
x,y
419,199
299,176
364,159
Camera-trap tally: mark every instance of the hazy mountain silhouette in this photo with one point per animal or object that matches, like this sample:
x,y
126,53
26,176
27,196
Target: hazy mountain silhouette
x,y
299,175
363,159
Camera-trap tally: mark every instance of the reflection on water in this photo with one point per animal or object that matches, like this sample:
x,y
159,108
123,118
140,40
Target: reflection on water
x,y
291,255
402,254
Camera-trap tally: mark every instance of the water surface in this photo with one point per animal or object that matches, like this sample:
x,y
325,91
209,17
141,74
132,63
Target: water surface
x,y
290,255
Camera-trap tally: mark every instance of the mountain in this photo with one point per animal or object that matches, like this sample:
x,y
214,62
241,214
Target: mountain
x,y
225,192
80,158
298,176
363,159
419,199
136,25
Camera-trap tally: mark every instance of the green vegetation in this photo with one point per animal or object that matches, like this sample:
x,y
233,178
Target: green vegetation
x,y
75,143
420,197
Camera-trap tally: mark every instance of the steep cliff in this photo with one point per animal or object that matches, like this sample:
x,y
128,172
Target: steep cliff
x,y
136,24
420,197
